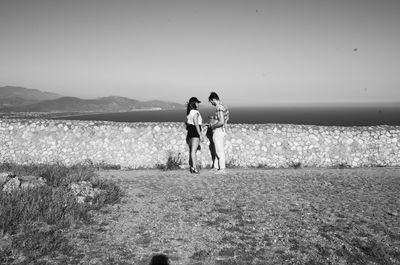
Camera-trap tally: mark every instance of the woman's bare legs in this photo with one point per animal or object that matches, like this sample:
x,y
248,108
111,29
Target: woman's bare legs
x,y
190,157
194,144
188,141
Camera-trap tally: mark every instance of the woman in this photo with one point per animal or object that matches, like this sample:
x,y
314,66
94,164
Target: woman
x,y
194,136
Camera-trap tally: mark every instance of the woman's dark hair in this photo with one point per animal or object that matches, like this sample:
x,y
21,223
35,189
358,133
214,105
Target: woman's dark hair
x,y
159,259
189,106
212,96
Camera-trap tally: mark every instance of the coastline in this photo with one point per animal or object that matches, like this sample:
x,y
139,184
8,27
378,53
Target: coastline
x,y
340,115
61,114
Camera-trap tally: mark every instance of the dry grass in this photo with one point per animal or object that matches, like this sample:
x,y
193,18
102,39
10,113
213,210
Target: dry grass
x,y
34,222
254,216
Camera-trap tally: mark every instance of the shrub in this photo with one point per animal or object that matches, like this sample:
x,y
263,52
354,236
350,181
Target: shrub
x,y
264,166
100,165
34,219
232,164
174,161
35,241
106,166
111,194
294,165
55,175
45,204
343,165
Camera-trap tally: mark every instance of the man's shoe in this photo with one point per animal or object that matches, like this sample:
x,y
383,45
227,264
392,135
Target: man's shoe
x,y
220,172
213,170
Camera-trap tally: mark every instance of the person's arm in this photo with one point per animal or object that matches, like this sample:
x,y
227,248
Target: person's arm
x,y
196,124
221,120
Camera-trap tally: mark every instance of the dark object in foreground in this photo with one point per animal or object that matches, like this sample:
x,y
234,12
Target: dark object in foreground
x,y
159,259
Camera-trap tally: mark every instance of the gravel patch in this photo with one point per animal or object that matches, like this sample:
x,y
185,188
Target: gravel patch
x,y
248,216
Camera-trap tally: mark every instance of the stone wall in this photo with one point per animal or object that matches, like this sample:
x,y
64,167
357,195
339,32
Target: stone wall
x,y
144,145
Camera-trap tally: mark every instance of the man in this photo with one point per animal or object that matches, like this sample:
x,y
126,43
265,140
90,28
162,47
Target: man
x,y
218,128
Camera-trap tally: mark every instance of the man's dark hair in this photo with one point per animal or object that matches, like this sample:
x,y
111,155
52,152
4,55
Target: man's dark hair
x,y
159,259
212,96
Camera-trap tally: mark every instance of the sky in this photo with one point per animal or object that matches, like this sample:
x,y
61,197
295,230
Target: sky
x,y
249,52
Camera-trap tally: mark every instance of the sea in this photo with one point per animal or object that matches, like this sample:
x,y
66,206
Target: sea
x,y
344,115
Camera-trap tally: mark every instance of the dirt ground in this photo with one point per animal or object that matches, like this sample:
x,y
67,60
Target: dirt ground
x,y
248,216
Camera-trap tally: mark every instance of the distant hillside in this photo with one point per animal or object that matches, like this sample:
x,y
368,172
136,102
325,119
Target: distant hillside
x,y
160,104
106,104
11,96
19,99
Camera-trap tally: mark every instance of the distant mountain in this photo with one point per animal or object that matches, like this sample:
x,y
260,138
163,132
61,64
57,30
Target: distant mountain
x,y
11,96
153,104
73,104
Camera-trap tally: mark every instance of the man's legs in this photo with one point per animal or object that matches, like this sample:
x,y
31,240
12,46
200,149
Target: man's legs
x,y
218,138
